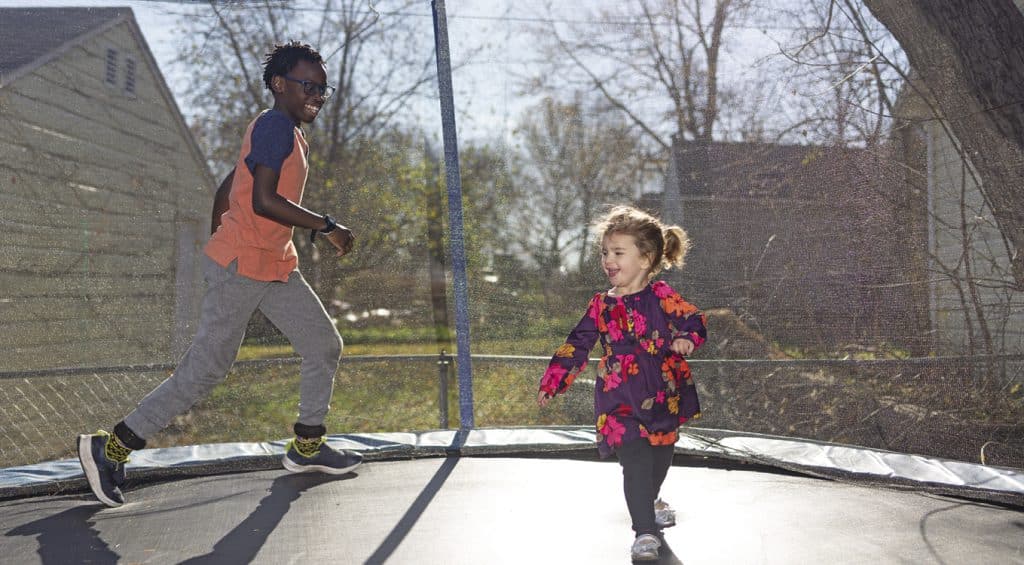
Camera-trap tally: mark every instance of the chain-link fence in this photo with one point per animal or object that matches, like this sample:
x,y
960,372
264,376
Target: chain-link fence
x,y
966,409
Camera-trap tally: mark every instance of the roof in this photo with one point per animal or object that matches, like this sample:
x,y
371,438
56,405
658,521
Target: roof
x,y
32,36
745,170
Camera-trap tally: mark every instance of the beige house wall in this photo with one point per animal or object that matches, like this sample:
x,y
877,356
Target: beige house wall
x,y
105,206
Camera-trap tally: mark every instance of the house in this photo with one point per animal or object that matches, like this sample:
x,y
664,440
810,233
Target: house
x,y
796,239
969,295
104,195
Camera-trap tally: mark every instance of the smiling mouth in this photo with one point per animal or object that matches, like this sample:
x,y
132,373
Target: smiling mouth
x,y
612,273
312,109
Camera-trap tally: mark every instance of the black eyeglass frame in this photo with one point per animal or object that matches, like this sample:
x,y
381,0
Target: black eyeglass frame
x,y
325,90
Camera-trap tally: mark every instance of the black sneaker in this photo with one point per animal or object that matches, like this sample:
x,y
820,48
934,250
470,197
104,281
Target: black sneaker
x,y
326,459
105,477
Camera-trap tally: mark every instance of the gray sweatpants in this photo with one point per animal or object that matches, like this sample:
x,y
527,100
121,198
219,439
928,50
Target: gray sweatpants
x,y
229,302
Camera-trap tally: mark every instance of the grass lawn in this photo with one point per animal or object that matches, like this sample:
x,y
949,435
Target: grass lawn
x,y
527,346
258,403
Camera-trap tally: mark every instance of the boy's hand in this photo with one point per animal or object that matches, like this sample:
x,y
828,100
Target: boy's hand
x,y
342,239
543,398
682,346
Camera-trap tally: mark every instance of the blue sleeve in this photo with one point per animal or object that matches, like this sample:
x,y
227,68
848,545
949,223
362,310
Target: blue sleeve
x,y
273,138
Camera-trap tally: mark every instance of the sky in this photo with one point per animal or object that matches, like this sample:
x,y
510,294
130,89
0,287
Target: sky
x,y
489,96
157,20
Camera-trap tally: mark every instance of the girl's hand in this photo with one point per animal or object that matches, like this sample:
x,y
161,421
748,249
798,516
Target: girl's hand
x,y
543,398
682,346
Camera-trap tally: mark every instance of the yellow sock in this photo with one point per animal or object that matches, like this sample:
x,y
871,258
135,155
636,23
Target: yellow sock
x,y
115,450
308,447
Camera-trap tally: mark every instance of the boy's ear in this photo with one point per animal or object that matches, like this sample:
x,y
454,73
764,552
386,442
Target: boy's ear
x,y
277,84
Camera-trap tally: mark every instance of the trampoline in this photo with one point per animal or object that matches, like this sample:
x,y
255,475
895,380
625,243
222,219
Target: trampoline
x,y
862,386
518,496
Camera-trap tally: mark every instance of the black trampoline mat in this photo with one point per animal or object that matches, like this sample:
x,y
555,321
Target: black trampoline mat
x,y
484,510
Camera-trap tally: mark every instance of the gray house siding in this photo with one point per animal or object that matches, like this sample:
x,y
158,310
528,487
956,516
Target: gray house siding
x,y
963,235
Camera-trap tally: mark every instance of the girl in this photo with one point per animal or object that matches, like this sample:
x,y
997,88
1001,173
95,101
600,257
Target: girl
x,y
644,390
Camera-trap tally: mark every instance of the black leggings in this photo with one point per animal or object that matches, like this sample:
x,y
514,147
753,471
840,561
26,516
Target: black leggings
x,y
644,467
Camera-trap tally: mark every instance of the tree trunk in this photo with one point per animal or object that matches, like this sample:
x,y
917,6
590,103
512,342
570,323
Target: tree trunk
x,y
970,55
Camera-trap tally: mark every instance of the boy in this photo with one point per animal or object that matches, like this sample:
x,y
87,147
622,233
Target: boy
x,y
250,263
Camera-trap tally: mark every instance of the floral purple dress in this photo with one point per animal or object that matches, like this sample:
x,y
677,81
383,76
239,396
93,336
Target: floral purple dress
x,y
643,388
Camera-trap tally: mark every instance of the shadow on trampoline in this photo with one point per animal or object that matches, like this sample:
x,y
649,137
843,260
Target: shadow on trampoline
x,y
419,506
69,537
243,543
501,496
667,557
405,524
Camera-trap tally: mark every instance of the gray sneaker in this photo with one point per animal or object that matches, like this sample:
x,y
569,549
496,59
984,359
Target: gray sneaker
x,y
664,515
105,477
645,548
326,460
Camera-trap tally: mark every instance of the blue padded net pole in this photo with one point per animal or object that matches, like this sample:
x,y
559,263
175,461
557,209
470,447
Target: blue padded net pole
x,y
453,180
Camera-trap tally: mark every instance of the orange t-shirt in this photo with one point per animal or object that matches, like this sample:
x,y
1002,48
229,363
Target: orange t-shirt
x,y
263,247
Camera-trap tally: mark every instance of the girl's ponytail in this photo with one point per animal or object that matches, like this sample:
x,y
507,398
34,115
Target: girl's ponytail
x,y
677,244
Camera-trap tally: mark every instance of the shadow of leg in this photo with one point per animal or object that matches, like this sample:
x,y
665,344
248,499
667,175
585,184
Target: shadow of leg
x,y
69,537
246,539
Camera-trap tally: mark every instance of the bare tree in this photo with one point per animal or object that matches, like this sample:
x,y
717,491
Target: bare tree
x,y
846,70
579,162
376,62
379,65
668,49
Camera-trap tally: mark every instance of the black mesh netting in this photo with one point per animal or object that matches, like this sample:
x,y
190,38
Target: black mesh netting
x,y
849,177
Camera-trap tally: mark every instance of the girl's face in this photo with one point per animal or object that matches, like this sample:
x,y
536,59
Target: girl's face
x,y
626,267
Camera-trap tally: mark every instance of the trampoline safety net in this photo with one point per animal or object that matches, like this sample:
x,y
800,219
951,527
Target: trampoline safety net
x,y
849,178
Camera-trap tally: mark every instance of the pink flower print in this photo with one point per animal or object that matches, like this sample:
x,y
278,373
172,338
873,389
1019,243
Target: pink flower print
x,y
619,310
612,431
660,398
627,365
620,315
648,346
697,340
553,378
661,289
612,381
639,323
614,333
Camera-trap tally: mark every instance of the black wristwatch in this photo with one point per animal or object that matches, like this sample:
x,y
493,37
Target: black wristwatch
x,y
331,226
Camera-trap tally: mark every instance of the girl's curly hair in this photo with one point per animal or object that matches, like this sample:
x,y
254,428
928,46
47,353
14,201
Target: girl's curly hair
x,y
665,245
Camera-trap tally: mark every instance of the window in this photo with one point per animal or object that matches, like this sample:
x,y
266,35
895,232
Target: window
x,y
111,75
129,76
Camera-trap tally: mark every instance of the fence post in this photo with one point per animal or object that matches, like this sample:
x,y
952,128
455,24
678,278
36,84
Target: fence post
x,y
443,361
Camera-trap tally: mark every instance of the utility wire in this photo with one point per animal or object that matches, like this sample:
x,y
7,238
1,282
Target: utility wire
x,y
525,19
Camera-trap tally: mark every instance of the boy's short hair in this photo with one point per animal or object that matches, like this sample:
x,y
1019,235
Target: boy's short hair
x,y
283,59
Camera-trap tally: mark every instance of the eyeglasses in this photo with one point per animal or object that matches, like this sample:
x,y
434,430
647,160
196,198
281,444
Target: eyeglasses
x,y
309,87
